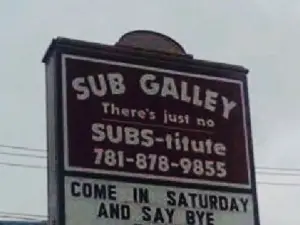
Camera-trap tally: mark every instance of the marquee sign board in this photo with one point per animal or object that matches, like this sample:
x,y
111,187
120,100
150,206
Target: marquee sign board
x,y
161,206
142,139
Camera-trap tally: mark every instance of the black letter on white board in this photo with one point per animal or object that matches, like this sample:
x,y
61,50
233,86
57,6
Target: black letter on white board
x,y
140,195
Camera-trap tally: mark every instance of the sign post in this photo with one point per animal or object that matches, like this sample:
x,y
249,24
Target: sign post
x,y
147,137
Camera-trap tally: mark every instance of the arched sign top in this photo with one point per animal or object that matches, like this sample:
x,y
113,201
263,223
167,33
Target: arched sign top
x,y
151,40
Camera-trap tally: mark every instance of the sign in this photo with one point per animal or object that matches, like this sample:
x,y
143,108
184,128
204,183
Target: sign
x,y
136,139
92,201
138,121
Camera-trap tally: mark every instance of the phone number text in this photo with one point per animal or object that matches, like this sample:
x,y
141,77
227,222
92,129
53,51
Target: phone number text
x,y
162,163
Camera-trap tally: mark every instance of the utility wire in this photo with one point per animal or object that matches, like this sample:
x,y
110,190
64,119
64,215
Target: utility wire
x,y
23,148
44,167
23,155
44,150
285,171
22,214
22,165
44,157
279,169
278,184
19,218
28,217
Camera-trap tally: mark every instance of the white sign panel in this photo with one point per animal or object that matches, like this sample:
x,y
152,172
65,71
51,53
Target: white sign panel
x,y
101,202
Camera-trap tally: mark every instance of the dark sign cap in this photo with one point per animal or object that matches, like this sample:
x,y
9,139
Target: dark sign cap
x,y
140,43
150,40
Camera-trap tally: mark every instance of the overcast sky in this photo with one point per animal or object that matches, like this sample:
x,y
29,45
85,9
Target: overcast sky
x,y
262,35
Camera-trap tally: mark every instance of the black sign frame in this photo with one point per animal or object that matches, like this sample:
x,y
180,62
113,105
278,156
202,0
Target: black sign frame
x,y
55,129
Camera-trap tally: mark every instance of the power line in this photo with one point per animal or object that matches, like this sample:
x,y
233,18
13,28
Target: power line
x,y
23,214
259,172
259,168
45,151
278,173
278,168
23,155
22,165
44,157
44,167
278,183
23,148
18,217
